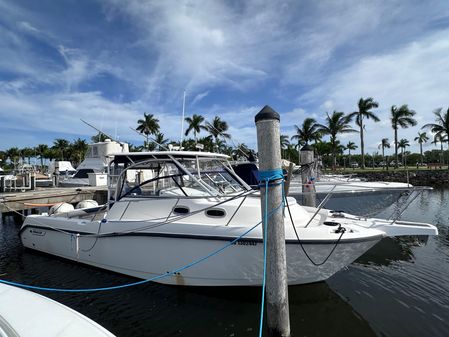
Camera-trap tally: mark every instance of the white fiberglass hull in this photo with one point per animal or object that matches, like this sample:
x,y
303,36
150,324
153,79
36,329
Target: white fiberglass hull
x,y
25,313
146,255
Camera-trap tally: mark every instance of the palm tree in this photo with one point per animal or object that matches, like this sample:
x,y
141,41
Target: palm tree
x,y
28,152
283,139
365,106
100,137
196,124
61,145
309,131
350,146
149,125
218,128
335,124
41,150
222,147
160,140
2,157
442,139
401,117
422,138
384,144
13,154
441,126
402,144
79,148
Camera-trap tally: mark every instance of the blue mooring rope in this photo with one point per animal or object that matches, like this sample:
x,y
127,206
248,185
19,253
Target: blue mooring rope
x,y
267,176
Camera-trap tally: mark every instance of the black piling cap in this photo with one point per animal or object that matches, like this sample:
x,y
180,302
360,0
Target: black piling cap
x,y
267,113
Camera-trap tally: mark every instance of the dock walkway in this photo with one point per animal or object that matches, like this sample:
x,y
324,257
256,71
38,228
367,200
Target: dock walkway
x,y
20,201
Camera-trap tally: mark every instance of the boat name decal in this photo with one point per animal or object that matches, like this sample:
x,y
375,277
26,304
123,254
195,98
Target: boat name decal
x,y
246,243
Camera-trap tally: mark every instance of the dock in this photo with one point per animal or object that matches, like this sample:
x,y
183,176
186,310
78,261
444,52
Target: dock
x,y
22,201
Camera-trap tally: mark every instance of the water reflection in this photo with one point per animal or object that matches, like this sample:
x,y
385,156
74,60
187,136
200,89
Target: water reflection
x,y
389,250
400,288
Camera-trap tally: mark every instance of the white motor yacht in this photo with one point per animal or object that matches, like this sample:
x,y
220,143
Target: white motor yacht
x,y
95,163
171,209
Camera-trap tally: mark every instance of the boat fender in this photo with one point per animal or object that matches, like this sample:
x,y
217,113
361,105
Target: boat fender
x,y
87,204
62,207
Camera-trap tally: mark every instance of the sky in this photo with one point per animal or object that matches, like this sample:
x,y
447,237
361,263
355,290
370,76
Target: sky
x,y
109,61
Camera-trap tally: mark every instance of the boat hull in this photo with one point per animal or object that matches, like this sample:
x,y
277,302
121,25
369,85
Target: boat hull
x,y
147,255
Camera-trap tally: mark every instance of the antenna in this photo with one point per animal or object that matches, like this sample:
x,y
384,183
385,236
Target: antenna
x,y
109,136
182,120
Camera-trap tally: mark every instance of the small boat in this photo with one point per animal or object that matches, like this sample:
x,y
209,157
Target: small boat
x,y
347,193
63,168
170,209
24,313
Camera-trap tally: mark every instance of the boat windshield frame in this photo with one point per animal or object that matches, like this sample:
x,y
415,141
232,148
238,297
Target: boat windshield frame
x,y
173,176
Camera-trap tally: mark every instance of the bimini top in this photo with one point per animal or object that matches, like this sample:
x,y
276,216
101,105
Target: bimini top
x,y
140,156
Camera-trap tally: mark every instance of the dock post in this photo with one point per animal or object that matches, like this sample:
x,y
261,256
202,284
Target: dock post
x,y
289,178
33,182
278,320
308,176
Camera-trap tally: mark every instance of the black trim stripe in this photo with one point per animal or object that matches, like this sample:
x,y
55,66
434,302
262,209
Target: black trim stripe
x,y
211,237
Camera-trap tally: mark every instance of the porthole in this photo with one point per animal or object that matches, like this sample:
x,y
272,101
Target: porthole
x,y
216,212
181,210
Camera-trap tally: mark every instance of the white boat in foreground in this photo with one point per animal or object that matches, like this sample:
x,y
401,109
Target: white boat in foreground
x,y
173,208
27,314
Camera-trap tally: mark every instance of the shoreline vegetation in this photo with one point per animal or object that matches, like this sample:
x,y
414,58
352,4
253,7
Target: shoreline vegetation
x,y
324,138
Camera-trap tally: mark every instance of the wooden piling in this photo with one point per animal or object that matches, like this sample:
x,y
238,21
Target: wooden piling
x,y
278,321
308,176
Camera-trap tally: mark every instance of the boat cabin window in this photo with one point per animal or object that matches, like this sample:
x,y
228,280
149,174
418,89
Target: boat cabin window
x,y
195,177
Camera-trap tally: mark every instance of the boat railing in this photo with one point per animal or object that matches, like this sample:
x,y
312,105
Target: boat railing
x,y
408,195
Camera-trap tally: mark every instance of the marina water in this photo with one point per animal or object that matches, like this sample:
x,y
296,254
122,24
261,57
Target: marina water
x,y
398,288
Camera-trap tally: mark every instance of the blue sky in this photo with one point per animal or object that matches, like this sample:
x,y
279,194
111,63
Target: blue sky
x,y
110,61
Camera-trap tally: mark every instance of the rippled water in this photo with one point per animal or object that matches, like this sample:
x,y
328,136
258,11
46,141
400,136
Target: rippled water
x,y
398,288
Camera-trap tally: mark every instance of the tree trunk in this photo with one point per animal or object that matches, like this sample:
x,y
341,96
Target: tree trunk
x,y
383,156
420,148
362,145
396,164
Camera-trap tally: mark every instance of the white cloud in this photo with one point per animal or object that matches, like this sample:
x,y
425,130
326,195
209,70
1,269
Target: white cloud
x,y
415,75
199,97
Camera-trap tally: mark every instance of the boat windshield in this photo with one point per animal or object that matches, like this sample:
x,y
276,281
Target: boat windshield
x,y
172,177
